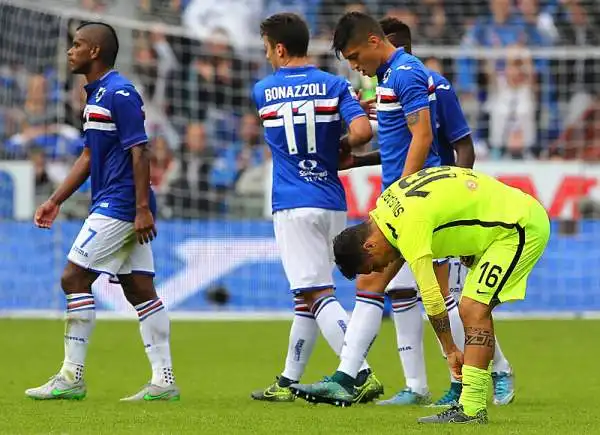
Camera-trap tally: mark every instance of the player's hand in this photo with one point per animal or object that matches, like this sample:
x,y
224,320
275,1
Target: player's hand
x,y
346,161
455,362
369,106
144,225
46,214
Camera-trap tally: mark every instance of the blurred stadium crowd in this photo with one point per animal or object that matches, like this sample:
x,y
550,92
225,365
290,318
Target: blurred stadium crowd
x,y
533,101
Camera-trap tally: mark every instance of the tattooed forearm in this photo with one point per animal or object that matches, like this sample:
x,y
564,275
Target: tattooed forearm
x,y
440,323
479,337
413,118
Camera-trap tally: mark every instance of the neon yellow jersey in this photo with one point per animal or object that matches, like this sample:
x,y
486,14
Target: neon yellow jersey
x,y
449,212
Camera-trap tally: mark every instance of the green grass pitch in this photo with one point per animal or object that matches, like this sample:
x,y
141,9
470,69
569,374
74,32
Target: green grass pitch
x,y
218,364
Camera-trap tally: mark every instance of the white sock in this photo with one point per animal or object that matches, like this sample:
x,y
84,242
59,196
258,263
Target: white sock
x,y
362,331
155,330
333,323
303,335
80,321
409,335
500,364
456,325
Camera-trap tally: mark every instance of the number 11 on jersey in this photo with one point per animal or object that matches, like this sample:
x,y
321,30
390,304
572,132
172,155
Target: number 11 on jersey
x,y
290,112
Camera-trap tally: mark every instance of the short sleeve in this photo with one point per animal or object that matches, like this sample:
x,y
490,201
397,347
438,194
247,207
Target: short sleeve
x,y
450,117
411,88
349,106
128,115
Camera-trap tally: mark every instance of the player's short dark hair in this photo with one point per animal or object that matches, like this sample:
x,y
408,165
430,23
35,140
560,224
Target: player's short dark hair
x,y
397,32
348,249
354,27
288,29
107,39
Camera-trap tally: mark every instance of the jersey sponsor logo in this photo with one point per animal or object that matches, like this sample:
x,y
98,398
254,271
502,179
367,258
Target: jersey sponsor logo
x,y
100,94
298,91
310,171
404,348
124,93
404,68
443,87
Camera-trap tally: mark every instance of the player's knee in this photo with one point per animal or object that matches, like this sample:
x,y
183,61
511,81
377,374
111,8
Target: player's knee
x,y
473,312
374,283
311,297
402,294
73,281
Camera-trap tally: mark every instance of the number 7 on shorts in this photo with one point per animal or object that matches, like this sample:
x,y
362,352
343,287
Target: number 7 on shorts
x,y
90,237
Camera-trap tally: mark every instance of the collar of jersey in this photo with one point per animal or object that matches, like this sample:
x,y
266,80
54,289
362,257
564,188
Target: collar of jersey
x,y
91,86
383,68
286,69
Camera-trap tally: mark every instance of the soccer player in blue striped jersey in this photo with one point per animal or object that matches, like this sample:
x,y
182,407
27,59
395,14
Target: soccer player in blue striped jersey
x,y
406,115
302,109
455,145
115,238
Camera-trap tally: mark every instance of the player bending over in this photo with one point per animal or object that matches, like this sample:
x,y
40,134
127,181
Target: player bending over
x,y
448,212
302,109
115,238
455,147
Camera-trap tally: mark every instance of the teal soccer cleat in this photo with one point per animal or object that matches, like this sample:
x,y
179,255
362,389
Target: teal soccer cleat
x,y
407,397
326,391
504,388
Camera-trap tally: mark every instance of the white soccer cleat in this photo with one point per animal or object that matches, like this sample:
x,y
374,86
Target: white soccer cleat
x,y
58,388
152,392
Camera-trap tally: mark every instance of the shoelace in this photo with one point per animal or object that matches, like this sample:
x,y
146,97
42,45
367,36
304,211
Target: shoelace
x,y
449,411
502,384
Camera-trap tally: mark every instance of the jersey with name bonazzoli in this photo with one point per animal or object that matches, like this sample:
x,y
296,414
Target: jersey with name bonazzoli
x,y
302,109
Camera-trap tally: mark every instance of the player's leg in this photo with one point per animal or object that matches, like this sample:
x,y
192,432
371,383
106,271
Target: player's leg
x,y
449,277
86,260
361,333
408,321
500,275
138,287
304,238
502,374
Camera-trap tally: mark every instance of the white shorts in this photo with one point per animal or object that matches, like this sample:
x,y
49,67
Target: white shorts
x,y
458,273
305,240
108,245
405,280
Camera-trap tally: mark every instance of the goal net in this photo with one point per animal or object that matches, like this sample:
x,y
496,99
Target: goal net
x,y
527,73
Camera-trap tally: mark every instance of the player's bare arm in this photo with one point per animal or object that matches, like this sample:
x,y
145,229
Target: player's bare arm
x,y
144,221
47,212
465,152
359,133
419,124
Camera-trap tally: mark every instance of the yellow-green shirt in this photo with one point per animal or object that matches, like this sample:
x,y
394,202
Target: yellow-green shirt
x,y
448,212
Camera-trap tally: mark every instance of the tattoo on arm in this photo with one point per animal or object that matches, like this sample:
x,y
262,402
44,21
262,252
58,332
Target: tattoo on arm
x,y
413,118
479,337
440,324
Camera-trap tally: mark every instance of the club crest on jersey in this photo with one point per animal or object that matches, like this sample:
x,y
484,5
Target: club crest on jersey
x,y
471,185
100,94
387,74
310,172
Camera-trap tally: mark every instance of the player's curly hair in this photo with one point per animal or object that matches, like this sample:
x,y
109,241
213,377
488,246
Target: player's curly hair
x,y
397,32
348,249
353,27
